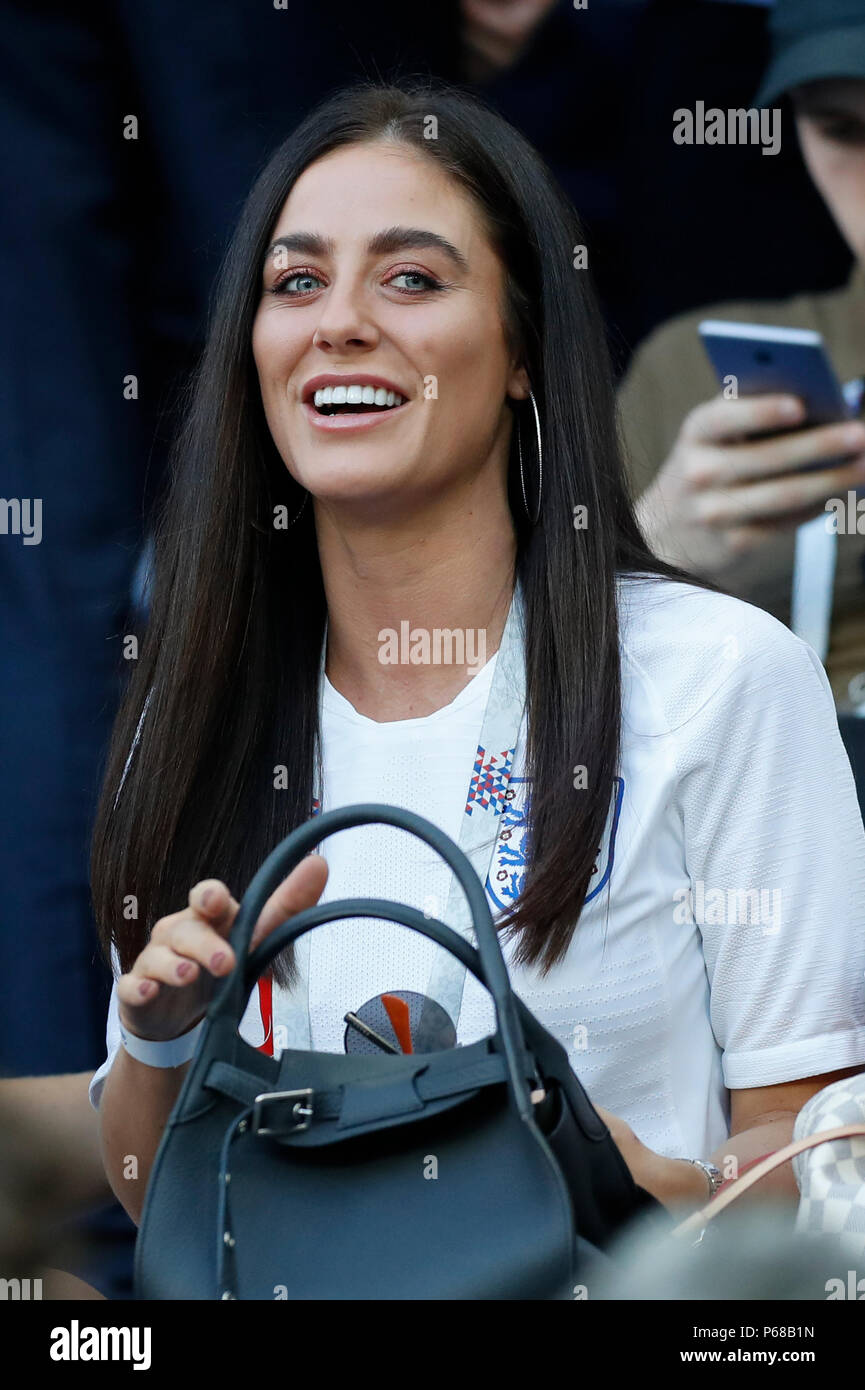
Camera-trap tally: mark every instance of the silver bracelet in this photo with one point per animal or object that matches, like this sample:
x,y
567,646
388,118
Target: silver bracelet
x,y
172,1052
715,1176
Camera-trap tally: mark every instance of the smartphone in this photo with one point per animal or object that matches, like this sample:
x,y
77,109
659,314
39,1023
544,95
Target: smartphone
x,y
765,358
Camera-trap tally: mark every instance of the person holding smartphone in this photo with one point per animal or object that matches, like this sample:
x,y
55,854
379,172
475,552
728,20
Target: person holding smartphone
x,y
723,484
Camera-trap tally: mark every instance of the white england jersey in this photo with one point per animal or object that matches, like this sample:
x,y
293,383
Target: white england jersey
x,y
722,943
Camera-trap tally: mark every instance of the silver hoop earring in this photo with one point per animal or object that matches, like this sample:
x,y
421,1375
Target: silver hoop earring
x,y
532,519
302,505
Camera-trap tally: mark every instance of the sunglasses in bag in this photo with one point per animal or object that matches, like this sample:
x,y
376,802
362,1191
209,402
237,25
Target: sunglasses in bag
x,y
479,1171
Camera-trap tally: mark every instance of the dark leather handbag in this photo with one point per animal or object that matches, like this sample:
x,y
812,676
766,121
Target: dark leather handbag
x,y
312,1176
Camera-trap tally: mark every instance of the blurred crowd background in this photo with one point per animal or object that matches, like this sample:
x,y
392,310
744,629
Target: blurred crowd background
x,y
132,132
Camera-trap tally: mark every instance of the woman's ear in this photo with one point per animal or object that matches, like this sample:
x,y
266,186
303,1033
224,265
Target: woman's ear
x,y
519,385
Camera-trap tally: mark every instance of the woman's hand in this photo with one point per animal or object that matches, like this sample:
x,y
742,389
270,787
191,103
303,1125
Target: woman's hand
x,y
721,494
672,1181
171,983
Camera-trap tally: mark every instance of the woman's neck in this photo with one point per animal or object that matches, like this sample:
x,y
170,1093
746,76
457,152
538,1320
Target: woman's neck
x,y
413,618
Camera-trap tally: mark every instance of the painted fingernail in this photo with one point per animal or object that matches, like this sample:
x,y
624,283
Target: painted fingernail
x,y
146,987
183,968
216,960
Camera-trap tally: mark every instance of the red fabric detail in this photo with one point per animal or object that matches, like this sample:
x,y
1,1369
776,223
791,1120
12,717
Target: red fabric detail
x,y
398,1013
265,1002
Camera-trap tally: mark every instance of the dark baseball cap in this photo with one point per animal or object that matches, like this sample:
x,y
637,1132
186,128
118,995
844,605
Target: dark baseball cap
x,y
810,40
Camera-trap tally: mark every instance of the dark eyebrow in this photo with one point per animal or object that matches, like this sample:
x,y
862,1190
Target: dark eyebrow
x,y
382,244
404,238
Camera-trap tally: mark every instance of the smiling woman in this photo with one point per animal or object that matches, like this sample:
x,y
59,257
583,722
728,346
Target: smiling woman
x,y
400,333
420,303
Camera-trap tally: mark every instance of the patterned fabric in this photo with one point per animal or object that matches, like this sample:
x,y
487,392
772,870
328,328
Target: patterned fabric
x,y
489,781
831,1177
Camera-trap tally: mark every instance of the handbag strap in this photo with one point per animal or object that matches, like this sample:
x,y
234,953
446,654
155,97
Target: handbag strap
x,y
723,1199
431,1082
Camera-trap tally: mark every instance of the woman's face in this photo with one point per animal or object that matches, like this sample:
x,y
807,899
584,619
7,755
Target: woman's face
x,y
381,279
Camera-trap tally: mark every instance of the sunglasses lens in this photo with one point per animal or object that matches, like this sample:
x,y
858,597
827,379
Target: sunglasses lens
x,y
403,1019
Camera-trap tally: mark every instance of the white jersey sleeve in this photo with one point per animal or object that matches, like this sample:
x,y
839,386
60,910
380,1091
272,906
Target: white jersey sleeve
x,y
775,854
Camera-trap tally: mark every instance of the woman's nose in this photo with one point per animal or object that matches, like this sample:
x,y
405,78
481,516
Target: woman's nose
x,y
345,322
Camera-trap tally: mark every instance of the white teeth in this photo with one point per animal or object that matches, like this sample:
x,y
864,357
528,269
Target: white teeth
x,y
355,394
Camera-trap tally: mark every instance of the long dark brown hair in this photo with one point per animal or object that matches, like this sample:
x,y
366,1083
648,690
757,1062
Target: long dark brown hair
x,y
230,656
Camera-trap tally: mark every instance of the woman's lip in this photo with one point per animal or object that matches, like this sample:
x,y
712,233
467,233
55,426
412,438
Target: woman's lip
x,y
360,421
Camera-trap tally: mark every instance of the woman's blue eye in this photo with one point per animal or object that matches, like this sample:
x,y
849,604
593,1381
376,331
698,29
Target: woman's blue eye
x,y
427,282
305,282
300,282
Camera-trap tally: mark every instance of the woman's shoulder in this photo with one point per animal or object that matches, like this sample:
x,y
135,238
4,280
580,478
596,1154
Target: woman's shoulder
x,y
685,647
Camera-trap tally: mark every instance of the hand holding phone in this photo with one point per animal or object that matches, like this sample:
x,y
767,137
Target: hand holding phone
x,y
744,468
753,359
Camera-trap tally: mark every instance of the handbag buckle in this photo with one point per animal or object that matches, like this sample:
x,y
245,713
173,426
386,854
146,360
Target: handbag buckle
x,y
301,1110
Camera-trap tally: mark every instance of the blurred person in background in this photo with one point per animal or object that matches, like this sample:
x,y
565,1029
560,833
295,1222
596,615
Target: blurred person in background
x,y
699,223
712,499
50,1168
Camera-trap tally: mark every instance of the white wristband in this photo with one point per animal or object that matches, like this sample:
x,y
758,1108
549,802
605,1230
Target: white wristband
x,y
171,1053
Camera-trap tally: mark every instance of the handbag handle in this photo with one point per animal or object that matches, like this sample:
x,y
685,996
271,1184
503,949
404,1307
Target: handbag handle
x,y
230,1000
382,909
536,1040
322,913
699,1219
